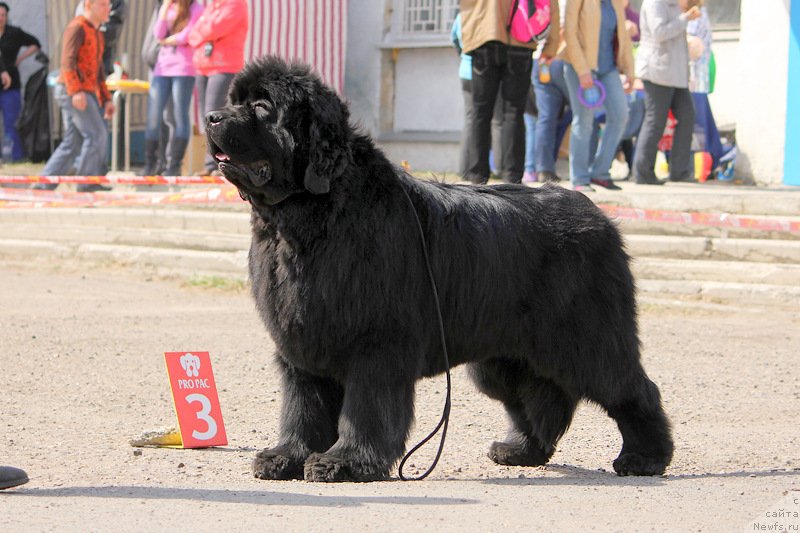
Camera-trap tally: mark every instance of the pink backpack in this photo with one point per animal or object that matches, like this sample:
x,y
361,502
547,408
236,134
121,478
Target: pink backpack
x,y
529,20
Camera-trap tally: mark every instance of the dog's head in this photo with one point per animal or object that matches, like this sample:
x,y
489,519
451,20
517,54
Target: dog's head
x,y
283,132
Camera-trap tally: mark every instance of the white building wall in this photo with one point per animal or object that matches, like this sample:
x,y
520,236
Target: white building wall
x,y
362,75
725,98
761,67
428,91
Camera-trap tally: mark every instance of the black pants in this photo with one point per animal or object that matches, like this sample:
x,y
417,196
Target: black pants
x,y
504,70
658,100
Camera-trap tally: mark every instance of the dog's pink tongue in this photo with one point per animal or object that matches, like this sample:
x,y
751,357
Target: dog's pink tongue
x,y
223,157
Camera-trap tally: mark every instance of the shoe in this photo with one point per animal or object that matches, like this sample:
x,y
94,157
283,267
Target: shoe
x,y
607,184
583,188
528,177
93,187
12,477
641,181
547,176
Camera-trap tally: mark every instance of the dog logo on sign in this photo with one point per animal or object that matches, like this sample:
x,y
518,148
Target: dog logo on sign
x,y
191,364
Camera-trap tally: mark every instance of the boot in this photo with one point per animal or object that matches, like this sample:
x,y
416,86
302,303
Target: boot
x,y
176,150
150,157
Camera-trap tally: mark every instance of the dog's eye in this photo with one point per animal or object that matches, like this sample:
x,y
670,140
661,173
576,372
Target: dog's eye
x,y
262,110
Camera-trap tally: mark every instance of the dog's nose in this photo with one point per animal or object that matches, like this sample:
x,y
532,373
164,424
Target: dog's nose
x,y
213,117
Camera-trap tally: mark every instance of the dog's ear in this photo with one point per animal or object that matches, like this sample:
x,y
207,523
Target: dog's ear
x,y
329,146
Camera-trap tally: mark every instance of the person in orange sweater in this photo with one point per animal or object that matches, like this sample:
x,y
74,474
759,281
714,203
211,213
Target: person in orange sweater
x,y
84,99
218,39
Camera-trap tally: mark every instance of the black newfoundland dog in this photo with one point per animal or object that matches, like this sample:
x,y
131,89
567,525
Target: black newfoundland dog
x,y
535,288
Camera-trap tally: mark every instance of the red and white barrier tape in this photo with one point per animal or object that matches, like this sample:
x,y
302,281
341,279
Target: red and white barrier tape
x,y
719,220
119,180
26,198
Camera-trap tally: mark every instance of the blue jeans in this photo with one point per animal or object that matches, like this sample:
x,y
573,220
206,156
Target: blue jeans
x,y
550,100
162,89
530,142
11,104
581,171
635,118
706,127
85,142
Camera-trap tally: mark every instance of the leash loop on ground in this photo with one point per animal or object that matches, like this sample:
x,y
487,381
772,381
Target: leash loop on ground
x,y
445,419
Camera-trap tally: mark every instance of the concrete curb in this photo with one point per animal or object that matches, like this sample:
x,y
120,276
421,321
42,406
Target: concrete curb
x,y
716,280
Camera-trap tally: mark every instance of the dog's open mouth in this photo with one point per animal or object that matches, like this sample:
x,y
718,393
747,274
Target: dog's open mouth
x,y
256,173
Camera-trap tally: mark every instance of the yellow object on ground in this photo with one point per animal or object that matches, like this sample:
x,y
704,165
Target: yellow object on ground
x,y
167,437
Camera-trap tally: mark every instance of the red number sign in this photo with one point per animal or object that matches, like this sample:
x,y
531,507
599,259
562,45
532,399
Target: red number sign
x,y
196,403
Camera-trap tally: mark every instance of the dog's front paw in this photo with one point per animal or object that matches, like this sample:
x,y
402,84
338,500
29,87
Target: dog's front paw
x,y
273,463
329,468
634,464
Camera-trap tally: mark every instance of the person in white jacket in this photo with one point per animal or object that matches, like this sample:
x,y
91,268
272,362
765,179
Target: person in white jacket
x,y
662,63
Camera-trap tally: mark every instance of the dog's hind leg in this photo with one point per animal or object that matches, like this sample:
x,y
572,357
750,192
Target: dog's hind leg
x,y
309,415
540,411
647,445
634,402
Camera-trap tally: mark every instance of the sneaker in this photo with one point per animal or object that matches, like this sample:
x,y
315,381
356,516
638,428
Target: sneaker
x,y
528,177
607,184
545,176
12,477
583,188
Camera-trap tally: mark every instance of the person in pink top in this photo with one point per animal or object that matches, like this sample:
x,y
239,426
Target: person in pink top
x,y
173,79
218,39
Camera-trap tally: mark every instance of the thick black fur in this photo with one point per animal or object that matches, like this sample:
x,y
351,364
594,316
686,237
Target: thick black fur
x,y
536,292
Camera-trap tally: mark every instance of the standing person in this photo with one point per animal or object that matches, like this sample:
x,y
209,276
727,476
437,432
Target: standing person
x,y
662,63
552,102
632,22
218,40
465,75
500,65
111,28
173,80
700,86
597,46
84,99
5,79
12,39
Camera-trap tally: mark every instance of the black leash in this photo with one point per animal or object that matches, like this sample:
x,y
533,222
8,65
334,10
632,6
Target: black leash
x,y
445,419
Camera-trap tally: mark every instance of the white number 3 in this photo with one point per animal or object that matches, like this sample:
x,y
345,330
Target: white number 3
x,y
203,415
